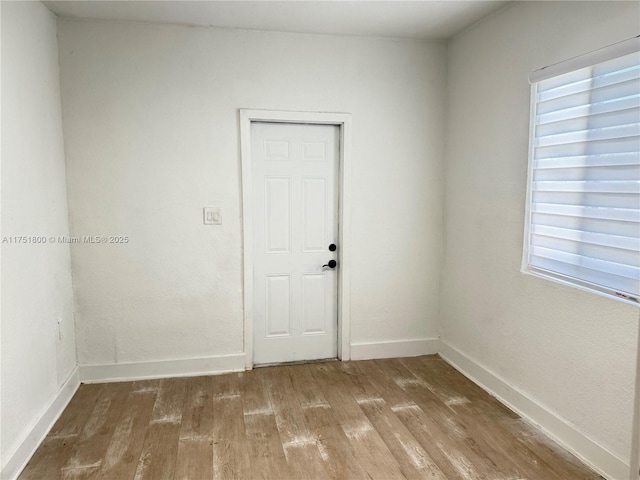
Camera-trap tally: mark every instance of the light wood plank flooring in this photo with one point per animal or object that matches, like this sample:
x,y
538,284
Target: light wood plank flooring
x,y
413,418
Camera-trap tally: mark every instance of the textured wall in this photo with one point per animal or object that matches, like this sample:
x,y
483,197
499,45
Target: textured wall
x,y
152,135
572,351
37,356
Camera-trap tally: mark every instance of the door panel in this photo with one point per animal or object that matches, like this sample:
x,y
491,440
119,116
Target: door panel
x,y
277,217
313,303
295,205
314,221
278,305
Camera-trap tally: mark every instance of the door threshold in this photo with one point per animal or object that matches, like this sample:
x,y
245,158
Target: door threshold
x,y
298,362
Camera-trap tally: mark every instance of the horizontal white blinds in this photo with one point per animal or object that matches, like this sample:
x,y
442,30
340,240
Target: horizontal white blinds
x,y
585,176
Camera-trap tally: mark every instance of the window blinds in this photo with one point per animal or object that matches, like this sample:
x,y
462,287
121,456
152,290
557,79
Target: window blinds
x,y
584,190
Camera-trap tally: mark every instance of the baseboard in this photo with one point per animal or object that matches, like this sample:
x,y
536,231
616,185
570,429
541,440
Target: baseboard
x,y
25,450
191,367
394,349
591,453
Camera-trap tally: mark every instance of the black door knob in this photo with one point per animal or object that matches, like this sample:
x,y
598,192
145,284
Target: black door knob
x,y
331,264
332,247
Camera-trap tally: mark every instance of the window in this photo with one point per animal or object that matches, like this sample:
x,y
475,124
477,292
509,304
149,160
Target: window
x,y
582,225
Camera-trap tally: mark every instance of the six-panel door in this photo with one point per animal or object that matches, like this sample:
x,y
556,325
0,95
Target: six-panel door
x,y
295,219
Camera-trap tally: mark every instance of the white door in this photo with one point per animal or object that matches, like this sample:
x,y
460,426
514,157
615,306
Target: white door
x,y
295,222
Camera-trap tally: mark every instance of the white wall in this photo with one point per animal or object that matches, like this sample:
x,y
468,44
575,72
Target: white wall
x,y
152,135
36,279
571,351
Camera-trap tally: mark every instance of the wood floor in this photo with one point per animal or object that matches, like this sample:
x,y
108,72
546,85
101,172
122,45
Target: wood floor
x,y
414,418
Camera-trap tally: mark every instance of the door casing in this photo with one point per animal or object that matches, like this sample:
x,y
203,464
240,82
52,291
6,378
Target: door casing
x,y
343,122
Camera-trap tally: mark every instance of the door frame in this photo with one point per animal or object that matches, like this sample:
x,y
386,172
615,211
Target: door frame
x,y
343,122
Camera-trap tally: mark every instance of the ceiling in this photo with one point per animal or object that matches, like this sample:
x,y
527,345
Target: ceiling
x,y
403,19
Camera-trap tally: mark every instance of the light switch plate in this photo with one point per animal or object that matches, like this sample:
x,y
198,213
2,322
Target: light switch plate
x,y
212,215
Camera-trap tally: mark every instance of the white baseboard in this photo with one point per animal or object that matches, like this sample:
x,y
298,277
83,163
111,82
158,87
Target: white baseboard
x,y
20,457
394,349
191,367
591,453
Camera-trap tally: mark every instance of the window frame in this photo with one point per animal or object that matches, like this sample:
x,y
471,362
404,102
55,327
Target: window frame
x,y
608,53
